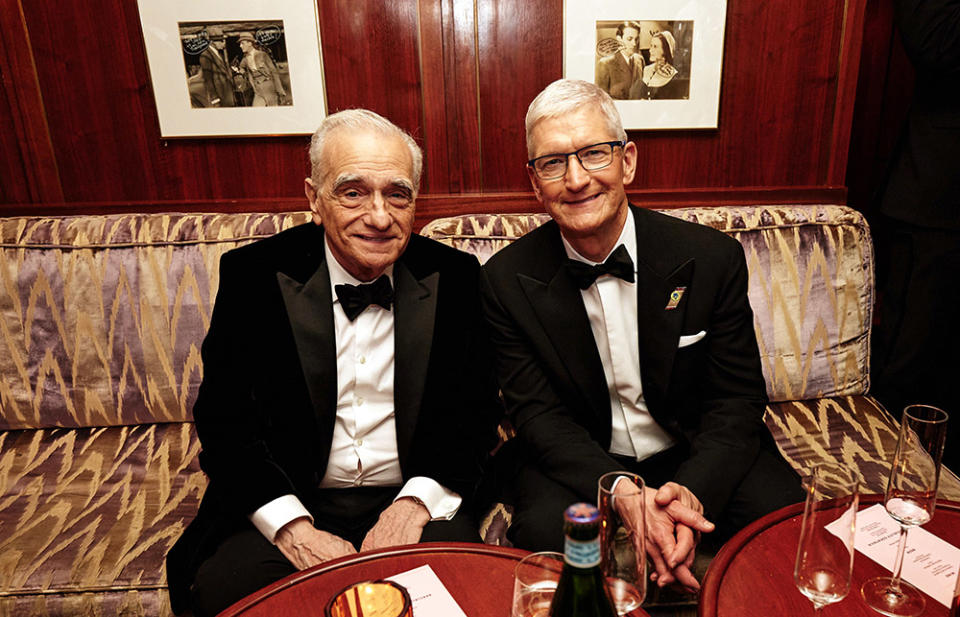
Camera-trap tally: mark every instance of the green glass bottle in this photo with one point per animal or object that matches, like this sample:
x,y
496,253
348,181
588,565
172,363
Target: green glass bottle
x,y
582,591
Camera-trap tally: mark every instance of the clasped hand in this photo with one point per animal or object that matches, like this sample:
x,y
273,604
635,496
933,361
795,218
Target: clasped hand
x,y
674,522
304,545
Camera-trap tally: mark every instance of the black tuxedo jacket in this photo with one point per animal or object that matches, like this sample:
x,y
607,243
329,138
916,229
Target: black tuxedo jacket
x,y
709,395
266,407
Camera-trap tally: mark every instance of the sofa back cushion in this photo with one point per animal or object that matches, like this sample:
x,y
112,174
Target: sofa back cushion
x,y
101,317
811,285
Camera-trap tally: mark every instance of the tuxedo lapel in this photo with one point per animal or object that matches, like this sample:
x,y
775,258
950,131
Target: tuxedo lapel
x,y
659,321
557,302
310,311
415,307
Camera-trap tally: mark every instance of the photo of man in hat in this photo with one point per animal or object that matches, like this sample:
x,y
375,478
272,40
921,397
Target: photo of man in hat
x,y
215,71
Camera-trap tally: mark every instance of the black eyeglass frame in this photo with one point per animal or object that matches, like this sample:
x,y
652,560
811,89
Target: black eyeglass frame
x,y
566,157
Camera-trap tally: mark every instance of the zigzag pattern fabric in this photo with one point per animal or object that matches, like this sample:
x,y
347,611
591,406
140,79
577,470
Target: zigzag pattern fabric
x,y
93,510
101,321
101,317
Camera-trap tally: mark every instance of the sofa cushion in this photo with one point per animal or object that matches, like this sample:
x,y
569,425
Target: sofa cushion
x,y
101,317
853,431
94,509
811,286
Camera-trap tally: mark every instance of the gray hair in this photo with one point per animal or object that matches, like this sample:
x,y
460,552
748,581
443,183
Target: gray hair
x,y
359,120
566,96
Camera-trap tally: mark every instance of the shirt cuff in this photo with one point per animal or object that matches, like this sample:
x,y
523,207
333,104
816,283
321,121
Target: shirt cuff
x,y
616,482
271,517
440,502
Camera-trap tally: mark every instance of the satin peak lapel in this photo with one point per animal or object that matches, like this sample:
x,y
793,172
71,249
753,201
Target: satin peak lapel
x,y
310,310
659,327
415,309
559,307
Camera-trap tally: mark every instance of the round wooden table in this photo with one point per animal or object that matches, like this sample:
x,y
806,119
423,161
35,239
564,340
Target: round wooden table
x,y
478,576
752,575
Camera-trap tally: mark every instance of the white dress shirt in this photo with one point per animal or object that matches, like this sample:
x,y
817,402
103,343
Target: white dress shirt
x,y
363,451
611,305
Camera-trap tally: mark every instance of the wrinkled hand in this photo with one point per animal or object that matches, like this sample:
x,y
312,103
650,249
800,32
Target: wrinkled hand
x,y
674,522
401,523
304,545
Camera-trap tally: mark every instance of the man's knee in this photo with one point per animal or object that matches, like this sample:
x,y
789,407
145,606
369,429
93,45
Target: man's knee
x,y
241,565
538,528
770,485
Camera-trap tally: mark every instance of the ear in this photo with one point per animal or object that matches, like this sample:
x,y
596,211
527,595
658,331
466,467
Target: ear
x,y
314,198
535,181
629,162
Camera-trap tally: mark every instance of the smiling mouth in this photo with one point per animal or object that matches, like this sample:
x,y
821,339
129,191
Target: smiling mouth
x,y
377,239
583,202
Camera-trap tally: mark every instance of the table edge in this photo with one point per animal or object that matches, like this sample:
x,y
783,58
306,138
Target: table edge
x,y
710,589
472,548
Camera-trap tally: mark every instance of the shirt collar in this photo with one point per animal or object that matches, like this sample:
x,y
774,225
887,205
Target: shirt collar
x,y
628,238
339,276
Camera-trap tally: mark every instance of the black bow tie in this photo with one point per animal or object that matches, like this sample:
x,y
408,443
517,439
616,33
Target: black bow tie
x,y
617,264
355,298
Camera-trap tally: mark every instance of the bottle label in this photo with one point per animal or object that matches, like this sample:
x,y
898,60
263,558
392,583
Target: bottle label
x,y
582,554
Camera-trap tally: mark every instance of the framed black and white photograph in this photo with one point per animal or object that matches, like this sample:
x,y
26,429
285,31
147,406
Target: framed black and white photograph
x,y
234,68
660,62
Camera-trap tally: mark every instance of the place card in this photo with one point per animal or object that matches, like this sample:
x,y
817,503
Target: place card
x,y
929,563
430,597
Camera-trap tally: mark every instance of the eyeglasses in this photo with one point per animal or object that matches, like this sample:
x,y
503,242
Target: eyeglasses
x,y
592,158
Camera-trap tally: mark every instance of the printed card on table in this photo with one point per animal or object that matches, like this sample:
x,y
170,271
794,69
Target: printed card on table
x,y
430,597
929,563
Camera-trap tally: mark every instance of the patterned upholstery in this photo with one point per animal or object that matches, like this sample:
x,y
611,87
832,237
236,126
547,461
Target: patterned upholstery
x,y
101,320
101,316
93,509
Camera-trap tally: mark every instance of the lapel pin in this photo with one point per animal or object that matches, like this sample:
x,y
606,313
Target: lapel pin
x,y
675,296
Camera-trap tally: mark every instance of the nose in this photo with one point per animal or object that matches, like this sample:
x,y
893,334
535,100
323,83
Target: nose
x,y
378,213
576,177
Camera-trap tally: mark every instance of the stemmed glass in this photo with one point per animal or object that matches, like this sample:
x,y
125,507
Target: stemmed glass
x,y
623,538
910,499
825,556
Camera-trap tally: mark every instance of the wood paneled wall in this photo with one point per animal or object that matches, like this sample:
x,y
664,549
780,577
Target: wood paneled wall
x,y
79,131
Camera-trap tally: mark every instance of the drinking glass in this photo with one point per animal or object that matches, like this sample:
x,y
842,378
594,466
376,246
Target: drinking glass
x,y
535,580
623,556
371,599
824,559
910,499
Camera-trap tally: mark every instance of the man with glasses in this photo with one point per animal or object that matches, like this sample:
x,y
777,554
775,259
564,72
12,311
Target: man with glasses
x,y
348,394
625,342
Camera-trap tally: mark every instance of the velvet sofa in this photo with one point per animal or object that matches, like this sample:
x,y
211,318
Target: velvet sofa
x,y
101,320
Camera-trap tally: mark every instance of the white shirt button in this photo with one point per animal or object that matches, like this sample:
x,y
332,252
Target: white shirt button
x,y
362,359
359,400
359,442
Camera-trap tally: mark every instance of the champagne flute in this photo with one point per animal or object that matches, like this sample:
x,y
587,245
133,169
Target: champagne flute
x,y
623,553
910,499
825,556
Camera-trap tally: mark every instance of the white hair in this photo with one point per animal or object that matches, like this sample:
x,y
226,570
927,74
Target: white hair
x,y
359,120
566,96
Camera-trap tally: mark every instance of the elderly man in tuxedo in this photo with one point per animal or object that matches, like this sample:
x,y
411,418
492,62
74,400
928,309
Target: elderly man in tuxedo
x,y
348,393
625,341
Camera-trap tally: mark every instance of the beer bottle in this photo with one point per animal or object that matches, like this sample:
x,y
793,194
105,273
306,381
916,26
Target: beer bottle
x,y
582,591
